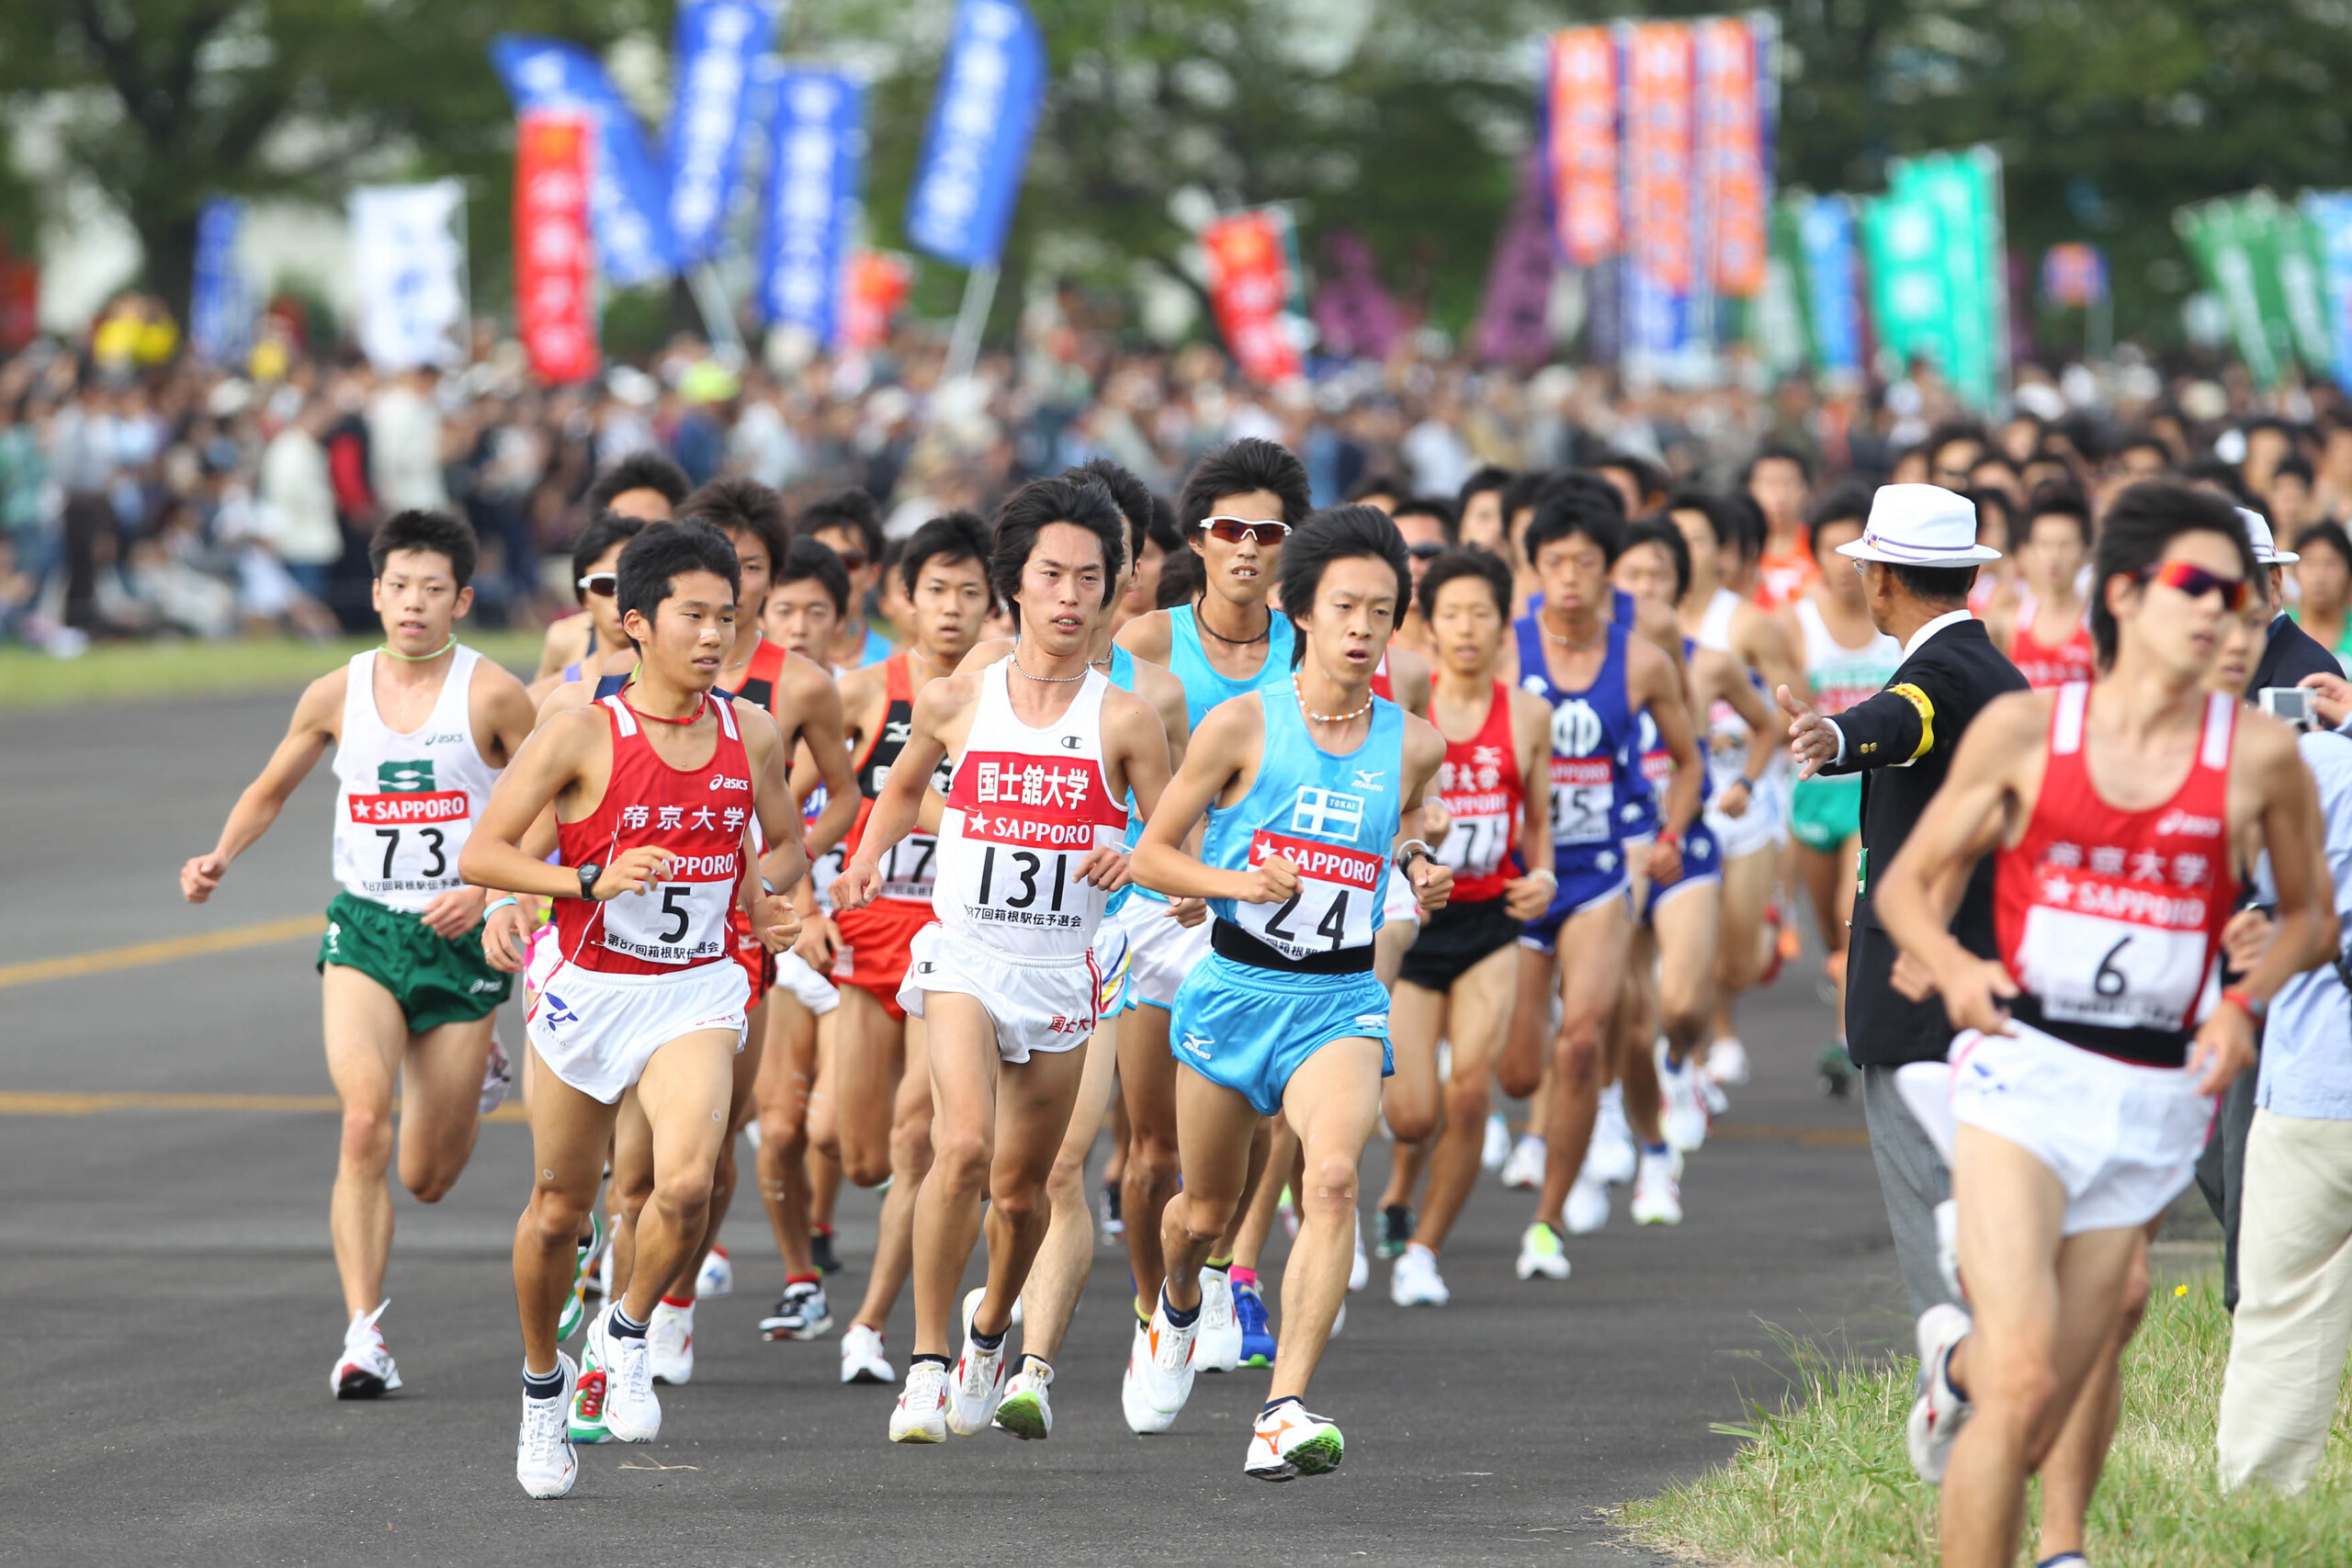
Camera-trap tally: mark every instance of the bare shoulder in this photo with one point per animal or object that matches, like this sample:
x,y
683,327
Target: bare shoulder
x,y
1658,624
569,697
760,736
2011,729
1147,637
1424,746
494,683
2267,749
1132,716
319,710
1528,709
985,654
948,697
1233,725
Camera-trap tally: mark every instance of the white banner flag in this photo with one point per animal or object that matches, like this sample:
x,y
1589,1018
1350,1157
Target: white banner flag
x,y
409,245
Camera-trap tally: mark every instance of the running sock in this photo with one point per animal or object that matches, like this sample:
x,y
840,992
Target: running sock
x,y
1038,1367
2064,1560
679,1302
939,1361
1240,1276
990,1341
543,1385
1222,1265
1177,1318
624,1326
1655,1151
1273,1405
804,1280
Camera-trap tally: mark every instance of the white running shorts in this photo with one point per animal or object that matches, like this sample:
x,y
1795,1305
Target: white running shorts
x,y
539,960
811,990
596,1030
1398,901
1044,1005
1160,951
2122,1139
1111,946
1755,829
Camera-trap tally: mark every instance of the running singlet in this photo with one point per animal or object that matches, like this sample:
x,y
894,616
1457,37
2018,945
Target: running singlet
x,y
405,804
1591,732
1025,808
699,817
1381,686
2111,920
1335,818
1204,684
2044,666
1782,578
1480,786
1643,771
1727,733
1843,676
908,869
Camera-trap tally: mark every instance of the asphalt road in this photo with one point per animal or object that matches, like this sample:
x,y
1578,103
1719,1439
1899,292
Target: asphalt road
x,y
171,1312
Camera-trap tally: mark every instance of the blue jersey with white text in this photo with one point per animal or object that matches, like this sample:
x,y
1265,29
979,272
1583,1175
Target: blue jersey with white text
x,y
1591,730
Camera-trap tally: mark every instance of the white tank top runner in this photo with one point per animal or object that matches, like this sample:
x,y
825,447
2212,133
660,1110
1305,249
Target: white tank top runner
x,y
405,804
1025,810
1842,676
1726,736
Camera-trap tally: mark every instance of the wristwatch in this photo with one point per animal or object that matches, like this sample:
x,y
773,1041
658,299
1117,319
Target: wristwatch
x,y
588,876
1414,850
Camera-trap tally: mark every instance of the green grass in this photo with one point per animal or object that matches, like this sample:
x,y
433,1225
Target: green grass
x,y
1825,1482
129,671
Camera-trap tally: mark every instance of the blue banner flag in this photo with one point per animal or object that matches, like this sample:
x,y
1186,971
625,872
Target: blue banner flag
x,y
816,172
978,145
1832,297
221,313
2330,213
629,203
718,45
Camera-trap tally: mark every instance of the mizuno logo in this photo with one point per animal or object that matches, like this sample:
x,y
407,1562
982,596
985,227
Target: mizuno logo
x,y
1198,1045
1370,781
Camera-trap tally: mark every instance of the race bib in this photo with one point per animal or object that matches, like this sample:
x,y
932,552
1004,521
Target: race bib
x,y
671,923
1476,845
2086,969
1339,892
1583,791
908,870
408,843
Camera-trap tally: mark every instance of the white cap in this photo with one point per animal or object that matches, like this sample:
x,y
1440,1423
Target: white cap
x,y
2266,549
1920,526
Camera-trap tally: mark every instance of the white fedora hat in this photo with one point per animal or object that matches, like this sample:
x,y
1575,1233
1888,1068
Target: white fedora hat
x,y
2266,549
1920,526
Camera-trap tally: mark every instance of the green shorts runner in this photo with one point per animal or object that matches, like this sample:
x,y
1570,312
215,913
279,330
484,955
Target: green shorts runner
x,y
1827,812
436,979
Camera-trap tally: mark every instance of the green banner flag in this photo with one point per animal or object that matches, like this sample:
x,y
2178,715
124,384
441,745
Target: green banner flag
x,y
2301,290
1902,238
1964,190
1780,329
2236,244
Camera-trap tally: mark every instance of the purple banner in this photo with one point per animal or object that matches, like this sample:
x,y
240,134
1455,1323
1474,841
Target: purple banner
x,y
1354,317
1513,318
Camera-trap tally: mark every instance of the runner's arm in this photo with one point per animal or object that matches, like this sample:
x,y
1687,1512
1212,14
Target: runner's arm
x,y
823,737
1749,703
550,762
1136,742
785,861
308,735
1431,878
1165,858
898,808
1531,718
2306,933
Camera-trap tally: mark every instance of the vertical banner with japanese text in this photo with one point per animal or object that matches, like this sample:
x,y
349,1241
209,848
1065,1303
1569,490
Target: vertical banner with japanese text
x,y
816,175
2329,213
1663,247
1832,283
221,309
1734,173
717,43
1253,285
1580,143
412,268
555,303
977,147
630,204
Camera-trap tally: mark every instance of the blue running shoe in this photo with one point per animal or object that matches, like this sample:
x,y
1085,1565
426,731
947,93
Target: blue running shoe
x,y
1257,1336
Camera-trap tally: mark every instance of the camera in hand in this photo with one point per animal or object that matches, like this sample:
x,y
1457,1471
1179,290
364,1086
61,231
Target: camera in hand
x,y
2289,704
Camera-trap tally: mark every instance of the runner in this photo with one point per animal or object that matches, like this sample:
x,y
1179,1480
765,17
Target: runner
x,y
849,523
593,582
1479,504
2046,629
1042,751
1429,530
2119,814
1779,479
421,728
645,485
654,789
1306,794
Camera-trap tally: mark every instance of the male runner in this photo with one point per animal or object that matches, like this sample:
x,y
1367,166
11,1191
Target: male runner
x,y
654,790
850,525
645,485
594,583
421,728
1306,795
2046,629
1042,750
1429,529
2122,814
1779,479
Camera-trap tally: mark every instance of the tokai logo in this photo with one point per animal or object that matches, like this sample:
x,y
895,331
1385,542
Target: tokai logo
x,y
2188,826
400,778
1327,811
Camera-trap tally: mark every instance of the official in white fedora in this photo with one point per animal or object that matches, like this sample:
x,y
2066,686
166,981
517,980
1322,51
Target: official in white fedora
x,y
1918,557
2292,652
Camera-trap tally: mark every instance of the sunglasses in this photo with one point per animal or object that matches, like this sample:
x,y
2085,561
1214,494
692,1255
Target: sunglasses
x,y
2197,583
1239,530
1425,552
853,560
603,584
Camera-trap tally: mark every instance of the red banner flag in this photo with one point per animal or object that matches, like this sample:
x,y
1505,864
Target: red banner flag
x,y
1732,155
554,304
1252,279
879,282
1660,109
1580,143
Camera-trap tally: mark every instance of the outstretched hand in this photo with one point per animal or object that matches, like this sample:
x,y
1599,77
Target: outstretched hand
x,y
1813,739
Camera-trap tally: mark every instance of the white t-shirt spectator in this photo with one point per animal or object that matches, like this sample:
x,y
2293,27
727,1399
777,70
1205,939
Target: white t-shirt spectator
x,y
295,517
404,449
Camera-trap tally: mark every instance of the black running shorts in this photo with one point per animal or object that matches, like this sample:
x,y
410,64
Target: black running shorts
x,y
1455,938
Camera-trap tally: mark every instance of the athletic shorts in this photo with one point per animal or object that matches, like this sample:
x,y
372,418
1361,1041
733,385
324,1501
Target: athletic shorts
x,y
1702,866
539,960
436,979
876,941
1111,951
752,955
1160,951
1589,878
2121,1138
596,1030
1040,1006
1454,940
810,989
1754,829
1249,1029
1398,901
1826,812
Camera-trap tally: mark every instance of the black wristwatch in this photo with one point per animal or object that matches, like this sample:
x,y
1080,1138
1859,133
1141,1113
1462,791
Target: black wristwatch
x,y
588,876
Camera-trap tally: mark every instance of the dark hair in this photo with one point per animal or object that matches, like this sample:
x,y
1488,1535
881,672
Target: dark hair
x,y
2329,533
1776,452
639,471
1526,488
2059,501
1437,506
1648,478
436,532
1944,434
1181,578
1727,525
1660,531
1347,532
1236,470
1484,565
610,528
1989,500
652,562
1591,486
1848,502
741,505
2133,439
1478,484
1132,496
849,509
1935,584
1030,510
1564,512
810,561
1164,531
958,536
1377,484
2141,524
2296,464
2223,476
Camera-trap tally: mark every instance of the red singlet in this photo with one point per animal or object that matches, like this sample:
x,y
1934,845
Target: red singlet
x,y
1480,786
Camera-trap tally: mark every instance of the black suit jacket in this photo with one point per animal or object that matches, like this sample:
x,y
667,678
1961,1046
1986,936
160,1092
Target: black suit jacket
x,y
1902,743
2291,654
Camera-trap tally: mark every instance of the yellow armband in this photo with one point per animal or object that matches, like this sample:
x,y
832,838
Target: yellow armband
x,y
1918,699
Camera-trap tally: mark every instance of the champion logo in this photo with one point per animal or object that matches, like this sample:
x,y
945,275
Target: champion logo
x,y
1073,742
924,968
2188,826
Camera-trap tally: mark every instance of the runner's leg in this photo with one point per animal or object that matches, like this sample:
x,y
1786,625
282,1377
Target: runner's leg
x,y
1332,1100
1479,1009
1147,1079
781,1092
441,1105
631,1187
1592,957
366,1036
685,1089
1740,960
1214,1126
569,1132
1033,1101
2071,1473
1273,1157
910,1158
1067,1255
965,1074
742,1106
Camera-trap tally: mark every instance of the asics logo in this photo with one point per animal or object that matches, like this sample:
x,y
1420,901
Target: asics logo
x,y
719,781
2188,826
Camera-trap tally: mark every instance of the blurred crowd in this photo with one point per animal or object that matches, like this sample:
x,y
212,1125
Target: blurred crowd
x,y
144,492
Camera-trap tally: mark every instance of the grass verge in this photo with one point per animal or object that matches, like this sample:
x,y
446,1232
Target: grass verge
x,y
131,672
1826,1483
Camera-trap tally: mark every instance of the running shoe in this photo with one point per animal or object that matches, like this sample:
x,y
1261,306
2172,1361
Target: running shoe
x,y
545,1461
1027,1410
1498,1144
1781,944
1287,1205
1539,1253
1168,1374
1416,1281
1681,1112
1359,1271
497,1083
1940,1411
1144,1419
1257,1329
1587,1205
801,1313
978,1379
365,1370
1113,1226
575,1306
1524,1169
1288,1442
670,1343
1727,1062
921,1414
602,1286
585,1420
861,1357
1948,1247
1220,1342
1396,1230
632,1410
1711,1095
1657,1200
821,1249
1610,1157
717,1279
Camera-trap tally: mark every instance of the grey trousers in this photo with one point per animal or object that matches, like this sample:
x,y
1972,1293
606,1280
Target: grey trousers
x,y
1911,1178
2221,1172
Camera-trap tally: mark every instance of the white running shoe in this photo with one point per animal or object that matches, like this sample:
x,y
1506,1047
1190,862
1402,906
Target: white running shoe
x,y
605,1283
861,1357
801,1313
1610,1157
1415,1281
1657,1198
1539,1253
365,1370
1144,1419
1359,1272
1498,1144
1940,1412
1220,1343
1683,1113
632,1410
1027,1410
978,1379
1948,1247
717,1279
1167,1375
1524,1169
1712,1096
1727,1062
545,1461
1288,1442
497,1083
1587,1205
670,1342
921,1414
